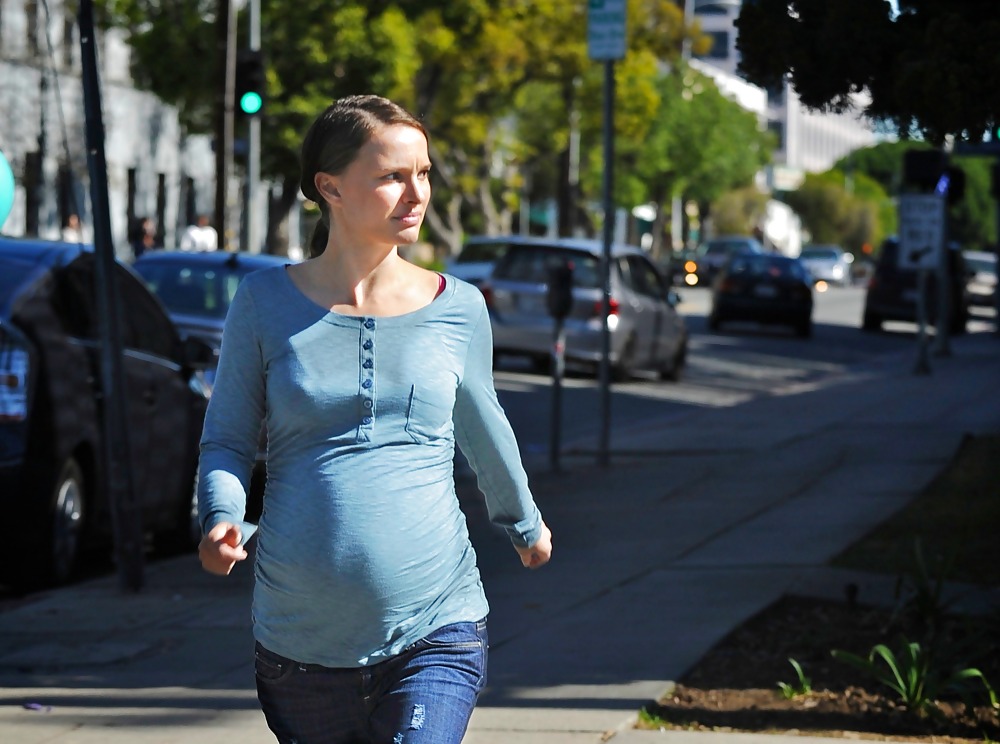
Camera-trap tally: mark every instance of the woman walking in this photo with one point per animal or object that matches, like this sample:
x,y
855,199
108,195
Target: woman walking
x,y
369,614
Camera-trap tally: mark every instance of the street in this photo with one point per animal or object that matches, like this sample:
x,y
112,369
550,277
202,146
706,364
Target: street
x,y
723,369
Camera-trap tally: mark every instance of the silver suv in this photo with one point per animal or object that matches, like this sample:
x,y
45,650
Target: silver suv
x,y
647,332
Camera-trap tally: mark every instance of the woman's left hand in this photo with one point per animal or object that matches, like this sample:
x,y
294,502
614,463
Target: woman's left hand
x,y
538,554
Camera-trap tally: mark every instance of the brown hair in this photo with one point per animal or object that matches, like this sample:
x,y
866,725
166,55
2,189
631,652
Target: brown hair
x,y
333,141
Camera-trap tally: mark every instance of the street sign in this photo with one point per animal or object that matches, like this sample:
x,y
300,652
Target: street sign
x,y
921,231
606,29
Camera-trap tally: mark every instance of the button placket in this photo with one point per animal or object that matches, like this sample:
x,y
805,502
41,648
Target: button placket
x,y
367,375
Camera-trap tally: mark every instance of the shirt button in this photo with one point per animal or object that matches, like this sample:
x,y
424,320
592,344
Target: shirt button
x,y
366,384
367,344
368,404
366,420
369,324
368,364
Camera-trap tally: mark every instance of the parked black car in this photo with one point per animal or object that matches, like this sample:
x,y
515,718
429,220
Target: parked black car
x,y
893,291
53,485
197,288
763,288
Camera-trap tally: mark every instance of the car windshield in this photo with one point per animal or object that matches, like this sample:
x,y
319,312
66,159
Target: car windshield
x,y
727,247
481,252
981,265
206,291
761,266
532,264
828,254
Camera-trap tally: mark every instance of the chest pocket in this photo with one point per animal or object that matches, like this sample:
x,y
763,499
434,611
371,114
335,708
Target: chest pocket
x,y
429,414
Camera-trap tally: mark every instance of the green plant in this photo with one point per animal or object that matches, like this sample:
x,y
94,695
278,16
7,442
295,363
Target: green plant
x,y
923,601
913,674
803,687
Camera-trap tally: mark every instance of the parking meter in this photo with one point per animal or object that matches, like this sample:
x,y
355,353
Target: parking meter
x,y
560,294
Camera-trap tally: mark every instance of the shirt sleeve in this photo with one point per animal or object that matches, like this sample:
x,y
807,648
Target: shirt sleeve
x,y
233,420
487,439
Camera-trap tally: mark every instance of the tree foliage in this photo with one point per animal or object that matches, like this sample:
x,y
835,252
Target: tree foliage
x,y
933,69
501,86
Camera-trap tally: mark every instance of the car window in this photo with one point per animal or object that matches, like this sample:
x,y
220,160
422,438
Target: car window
x,y
74,299
826,253
200,290
145,326
532,264
729,247
480,252
759,266
643,277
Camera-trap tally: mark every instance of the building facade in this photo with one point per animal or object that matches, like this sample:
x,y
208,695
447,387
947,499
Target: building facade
x,y
154,170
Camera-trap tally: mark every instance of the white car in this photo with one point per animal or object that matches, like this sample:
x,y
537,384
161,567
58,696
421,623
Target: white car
x,y
827,263
981,267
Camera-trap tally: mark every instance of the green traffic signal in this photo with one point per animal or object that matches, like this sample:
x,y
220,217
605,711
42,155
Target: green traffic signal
x,y
251,102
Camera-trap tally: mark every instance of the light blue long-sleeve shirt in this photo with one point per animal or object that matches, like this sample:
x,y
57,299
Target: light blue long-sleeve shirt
x,y
361,548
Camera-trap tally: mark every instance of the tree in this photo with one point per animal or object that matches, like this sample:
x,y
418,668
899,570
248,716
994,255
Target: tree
x,y
932,70
463,65
971,220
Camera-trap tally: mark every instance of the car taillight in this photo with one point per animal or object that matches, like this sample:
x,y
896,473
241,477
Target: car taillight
x,y
13,379
613,306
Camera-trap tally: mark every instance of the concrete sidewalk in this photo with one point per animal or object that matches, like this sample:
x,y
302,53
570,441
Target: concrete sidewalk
x,y
698,524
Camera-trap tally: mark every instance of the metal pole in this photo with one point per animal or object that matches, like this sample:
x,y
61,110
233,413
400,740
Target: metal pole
x,y
558,368
225,27
609,227
125,514
923,366
253,146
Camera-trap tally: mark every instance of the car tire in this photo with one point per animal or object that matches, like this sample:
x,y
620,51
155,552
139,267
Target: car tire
x,y
66,528
804,329
871,322
673,371
622,371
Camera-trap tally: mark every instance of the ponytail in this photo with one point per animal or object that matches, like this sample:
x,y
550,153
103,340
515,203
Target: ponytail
x,y
320,236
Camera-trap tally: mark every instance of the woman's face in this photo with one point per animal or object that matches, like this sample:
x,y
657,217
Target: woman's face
x,y
381,196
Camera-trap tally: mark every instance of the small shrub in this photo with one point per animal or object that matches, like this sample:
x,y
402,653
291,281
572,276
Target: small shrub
x,y
802,687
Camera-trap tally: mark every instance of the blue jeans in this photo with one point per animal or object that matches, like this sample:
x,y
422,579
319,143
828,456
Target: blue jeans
x,y
425,695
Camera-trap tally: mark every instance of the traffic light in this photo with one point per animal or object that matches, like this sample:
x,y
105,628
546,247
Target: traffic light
x,y
250,82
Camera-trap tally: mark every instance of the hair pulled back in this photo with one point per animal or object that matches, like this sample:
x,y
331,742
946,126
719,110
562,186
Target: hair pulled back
x,y
333,141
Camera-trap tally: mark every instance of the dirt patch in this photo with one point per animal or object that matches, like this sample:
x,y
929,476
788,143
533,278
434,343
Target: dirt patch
x,y
736,685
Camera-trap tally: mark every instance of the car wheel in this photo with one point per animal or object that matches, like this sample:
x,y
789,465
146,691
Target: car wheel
x,y
871,322
804,329
67,523
622,371
672,372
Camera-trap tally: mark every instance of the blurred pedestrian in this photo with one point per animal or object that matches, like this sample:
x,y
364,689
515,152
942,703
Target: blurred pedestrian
x,y
143,236
200,236
72,230
369,613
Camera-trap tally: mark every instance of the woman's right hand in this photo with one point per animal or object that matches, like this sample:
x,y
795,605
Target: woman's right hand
x,y
220,548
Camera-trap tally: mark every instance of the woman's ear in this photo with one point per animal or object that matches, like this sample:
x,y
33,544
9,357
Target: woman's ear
x,y
326,185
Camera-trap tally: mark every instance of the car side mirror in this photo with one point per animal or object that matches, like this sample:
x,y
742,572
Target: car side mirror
x,y
196,353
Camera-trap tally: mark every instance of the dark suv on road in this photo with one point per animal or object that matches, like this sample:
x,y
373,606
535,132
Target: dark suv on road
x,y
53,485
892,292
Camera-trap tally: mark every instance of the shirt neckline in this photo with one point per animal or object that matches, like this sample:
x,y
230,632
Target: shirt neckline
x,y
336,318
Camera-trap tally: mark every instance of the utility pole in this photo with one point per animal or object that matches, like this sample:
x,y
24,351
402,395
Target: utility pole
x,y
225,27
125,513
253,146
